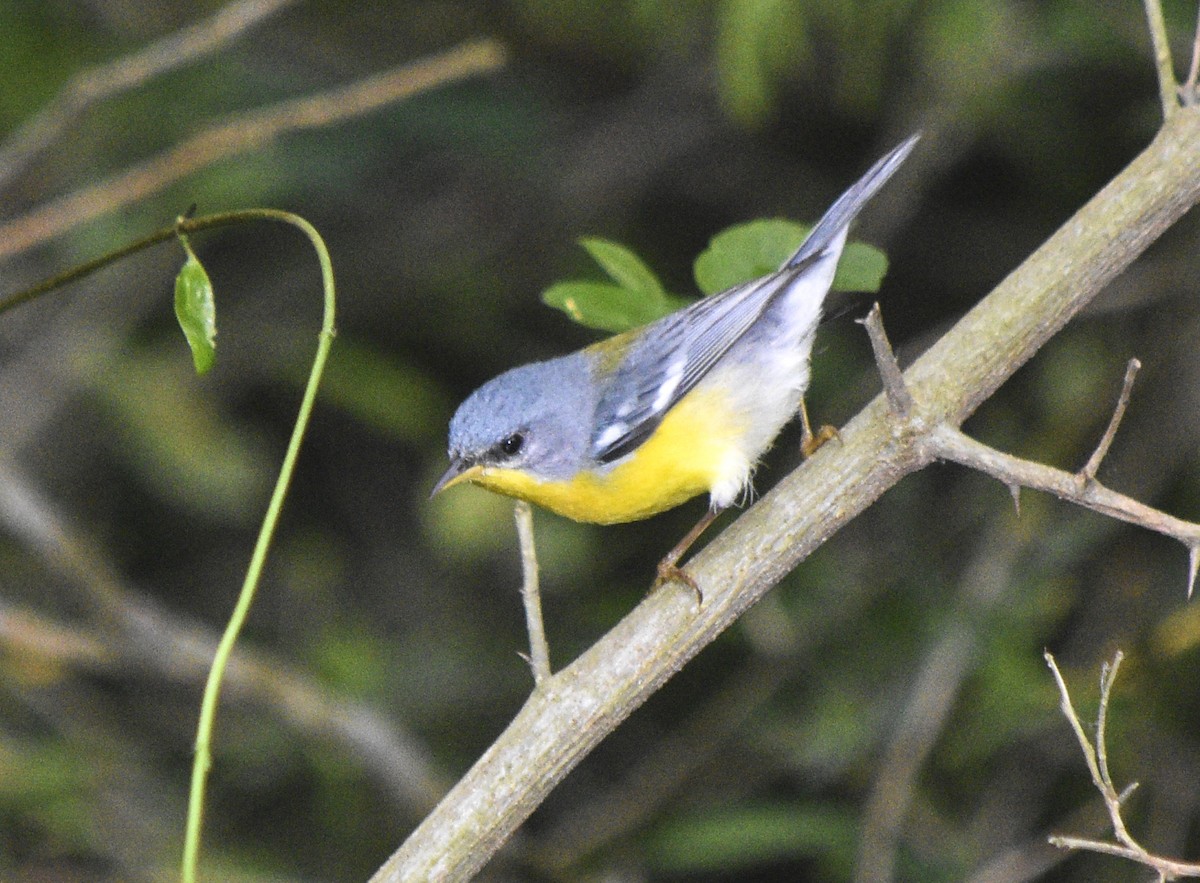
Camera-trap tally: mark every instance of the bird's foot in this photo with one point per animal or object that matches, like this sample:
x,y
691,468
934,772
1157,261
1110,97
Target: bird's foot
x,y
810,443
669,571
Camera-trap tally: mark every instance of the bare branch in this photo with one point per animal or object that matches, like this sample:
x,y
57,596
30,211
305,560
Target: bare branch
x,y
96,84
947,443
1167,87
898,396
1189,92
240,134
539,650
1097,762
1088,472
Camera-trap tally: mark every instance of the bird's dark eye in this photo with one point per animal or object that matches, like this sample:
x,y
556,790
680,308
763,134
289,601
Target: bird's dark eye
x,y
511,445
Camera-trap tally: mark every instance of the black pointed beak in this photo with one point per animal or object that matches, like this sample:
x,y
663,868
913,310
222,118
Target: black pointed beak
x,y
458,468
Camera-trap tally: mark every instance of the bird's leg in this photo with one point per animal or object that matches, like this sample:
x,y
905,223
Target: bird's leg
x,y
669,569
809,443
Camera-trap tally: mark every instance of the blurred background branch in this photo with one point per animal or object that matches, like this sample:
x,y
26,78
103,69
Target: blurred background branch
x,y
390,626
245,132
136,636
93,85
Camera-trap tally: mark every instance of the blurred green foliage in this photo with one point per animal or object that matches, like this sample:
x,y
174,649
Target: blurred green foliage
x,y
176,439
382,656
740,839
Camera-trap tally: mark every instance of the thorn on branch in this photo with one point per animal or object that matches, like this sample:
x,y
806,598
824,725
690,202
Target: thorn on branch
x,y
946,442
1087,474
899,398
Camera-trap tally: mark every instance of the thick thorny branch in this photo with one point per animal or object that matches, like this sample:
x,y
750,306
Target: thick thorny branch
x,y
577,707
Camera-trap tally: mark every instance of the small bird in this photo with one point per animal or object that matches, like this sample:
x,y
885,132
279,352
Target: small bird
x,y
641,422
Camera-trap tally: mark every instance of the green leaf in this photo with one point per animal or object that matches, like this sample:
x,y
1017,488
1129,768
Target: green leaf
x,y
738,254
608,307
862,268
625,267
756,248
196,310
747,251
634,298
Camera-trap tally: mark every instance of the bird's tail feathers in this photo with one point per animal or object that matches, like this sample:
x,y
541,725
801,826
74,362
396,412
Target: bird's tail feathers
x,y
831,227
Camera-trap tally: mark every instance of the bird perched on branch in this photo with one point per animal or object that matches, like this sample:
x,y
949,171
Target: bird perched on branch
x,y
638,423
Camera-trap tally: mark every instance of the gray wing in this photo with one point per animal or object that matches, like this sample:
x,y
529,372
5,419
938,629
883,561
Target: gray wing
x,y
675,353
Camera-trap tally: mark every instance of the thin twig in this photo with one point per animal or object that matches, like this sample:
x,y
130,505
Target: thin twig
x,y
212,689
1189,92
1066,842
1167,86
1088,472
899,398
96,84
947,443
539,650
1068,710
243,133
1097,762
1108,674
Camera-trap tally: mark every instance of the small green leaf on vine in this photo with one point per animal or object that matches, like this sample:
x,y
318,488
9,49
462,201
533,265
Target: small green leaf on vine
x,y
196,310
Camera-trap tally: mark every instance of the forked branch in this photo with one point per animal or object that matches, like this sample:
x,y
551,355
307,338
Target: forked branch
x,y
947,442
1096,757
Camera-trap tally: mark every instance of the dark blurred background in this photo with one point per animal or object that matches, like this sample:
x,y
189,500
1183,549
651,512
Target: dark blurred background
x,y
884,714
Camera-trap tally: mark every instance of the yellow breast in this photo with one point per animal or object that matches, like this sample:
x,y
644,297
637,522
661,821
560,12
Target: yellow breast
x,y
696,448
